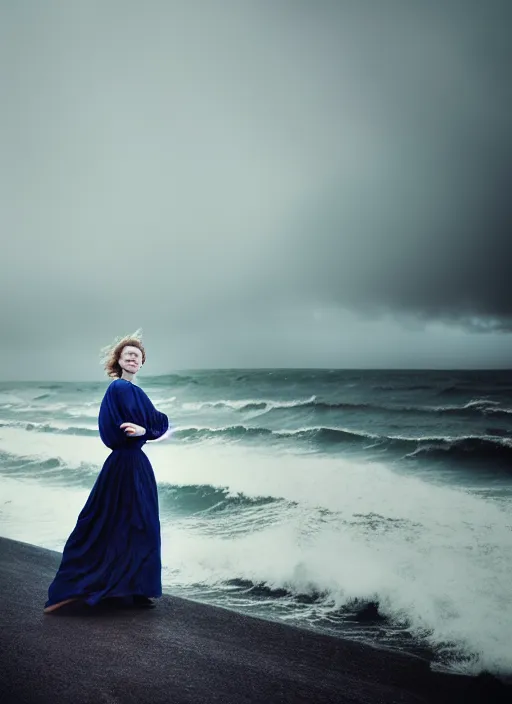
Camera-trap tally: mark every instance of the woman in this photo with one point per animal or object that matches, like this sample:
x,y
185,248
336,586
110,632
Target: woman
x,y
114,550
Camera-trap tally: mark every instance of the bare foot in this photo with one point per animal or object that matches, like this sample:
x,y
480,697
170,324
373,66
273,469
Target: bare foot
x,y
54,607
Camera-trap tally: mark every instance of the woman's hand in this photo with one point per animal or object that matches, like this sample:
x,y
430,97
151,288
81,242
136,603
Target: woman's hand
x,y
132,429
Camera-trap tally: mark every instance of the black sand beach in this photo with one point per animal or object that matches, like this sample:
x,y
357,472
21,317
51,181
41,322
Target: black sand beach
x,y
183,651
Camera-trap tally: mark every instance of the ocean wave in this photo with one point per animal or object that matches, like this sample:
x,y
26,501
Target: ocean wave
x,y
456,447
51,469
493,447
238,432
7,400
249,404
475,407
357,609
460,389
172,380
480,406
58,429
470,446
51,408
205,499
400,387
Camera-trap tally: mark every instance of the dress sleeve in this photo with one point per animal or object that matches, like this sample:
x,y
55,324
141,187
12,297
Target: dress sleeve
x,y
155,422
129,404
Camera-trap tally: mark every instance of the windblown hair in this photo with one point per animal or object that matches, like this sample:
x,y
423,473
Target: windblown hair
x,y
112,352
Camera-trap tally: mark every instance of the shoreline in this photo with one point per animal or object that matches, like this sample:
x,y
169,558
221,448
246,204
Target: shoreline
x,y
189,652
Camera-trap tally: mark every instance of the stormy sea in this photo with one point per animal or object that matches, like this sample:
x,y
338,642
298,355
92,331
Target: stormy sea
x,y
371,505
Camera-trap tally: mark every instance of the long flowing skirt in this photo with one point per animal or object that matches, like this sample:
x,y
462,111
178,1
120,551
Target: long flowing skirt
x,y
115,548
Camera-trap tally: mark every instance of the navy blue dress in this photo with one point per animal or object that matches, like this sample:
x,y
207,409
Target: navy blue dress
x,y
114,549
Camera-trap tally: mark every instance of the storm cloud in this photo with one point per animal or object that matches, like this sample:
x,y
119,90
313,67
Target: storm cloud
x,y
249,181
415,215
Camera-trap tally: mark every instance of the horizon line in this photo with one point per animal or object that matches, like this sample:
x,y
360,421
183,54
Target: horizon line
x,y
258,369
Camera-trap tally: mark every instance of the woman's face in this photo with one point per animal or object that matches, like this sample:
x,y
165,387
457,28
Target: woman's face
x,y
130,359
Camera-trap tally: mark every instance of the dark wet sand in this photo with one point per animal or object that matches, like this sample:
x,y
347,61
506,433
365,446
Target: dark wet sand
x,y
182,651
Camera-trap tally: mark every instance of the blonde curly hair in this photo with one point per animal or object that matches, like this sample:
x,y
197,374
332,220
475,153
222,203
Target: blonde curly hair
x,y
111,353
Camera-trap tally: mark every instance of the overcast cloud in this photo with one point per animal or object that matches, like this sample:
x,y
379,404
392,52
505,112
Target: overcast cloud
x,y
255,183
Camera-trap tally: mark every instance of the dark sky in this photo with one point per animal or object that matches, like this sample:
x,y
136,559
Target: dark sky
x,y
255,183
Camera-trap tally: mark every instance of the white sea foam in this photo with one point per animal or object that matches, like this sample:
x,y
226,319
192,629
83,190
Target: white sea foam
x,y
238,405
8,400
